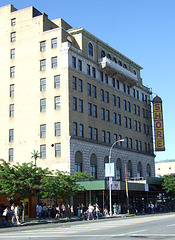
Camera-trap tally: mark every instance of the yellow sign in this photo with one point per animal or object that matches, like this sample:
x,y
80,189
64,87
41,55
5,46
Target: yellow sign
x,y
158,124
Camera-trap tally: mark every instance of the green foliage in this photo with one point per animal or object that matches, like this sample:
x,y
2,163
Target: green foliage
x,y
168,185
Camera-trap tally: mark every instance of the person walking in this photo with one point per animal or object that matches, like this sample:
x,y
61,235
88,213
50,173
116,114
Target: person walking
x,y
97,210
17,212
90,212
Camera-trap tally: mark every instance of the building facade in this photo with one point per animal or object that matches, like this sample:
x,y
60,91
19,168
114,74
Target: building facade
x,y
70,96
165,167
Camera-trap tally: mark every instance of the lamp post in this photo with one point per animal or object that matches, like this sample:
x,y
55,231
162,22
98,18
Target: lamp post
x,y
110,178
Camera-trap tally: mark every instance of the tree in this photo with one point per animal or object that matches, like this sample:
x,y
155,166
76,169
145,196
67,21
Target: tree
x,y
168,184
23,180
62,184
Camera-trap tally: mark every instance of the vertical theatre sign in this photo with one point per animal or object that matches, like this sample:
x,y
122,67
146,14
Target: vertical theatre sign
x,y
158,124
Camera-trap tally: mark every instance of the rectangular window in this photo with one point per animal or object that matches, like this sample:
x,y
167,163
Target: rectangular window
x,y
74,103
135,125
117,84
13,21
93,72
74,82
130,143
134,109
114,118
107,97
74,62
125,122
57,102
79,65
89,109
118,102
138,110
107,115
90,132
12,53
143,97
114,100
95,134
94,89
126,142
108,139
139,126
129,106
88,89
95,111
43,151
129,123
43,46
11,153
43,84
43,105
13,37
128,89
102,95
80,85
119,119
12,72
57,129
120,143
54,62
115,138
134,92
101,76
136,144
43,131
53,42
81,130
113,82
140,146
88,70
103,136
137,92
11,110
57,81
75,129
12,90
80,106
57,149
124,87
11,135
102,114
124,104
42,64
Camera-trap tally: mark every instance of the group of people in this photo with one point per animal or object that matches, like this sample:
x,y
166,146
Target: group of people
x,y
11,214
90,213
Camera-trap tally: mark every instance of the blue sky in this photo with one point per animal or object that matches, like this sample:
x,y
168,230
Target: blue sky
x,y
143,30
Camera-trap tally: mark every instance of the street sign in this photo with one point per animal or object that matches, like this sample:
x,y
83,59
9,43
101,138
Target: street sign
x,y
109,169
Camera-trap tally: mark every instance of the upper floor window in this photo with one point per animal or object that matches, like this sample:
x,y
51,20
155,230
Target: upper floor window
x,y
90,49
74,62
106,78
124,66
120,63
13,21
79,65
94,91
43,84
57,81
101,76
43,131
12,88
57,102
43,64
12,72
43,46
11,135
134,71
57,149
103,54
89,89
54,62
43,151
13,37
11,110
53,42
88,70
11,154
43,105
93,72
80,85
12,53
114,60
57,129
109,56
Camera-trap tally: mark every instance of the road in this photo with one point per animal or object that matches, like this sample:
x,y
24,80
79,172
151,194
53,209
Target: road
x,y
160,226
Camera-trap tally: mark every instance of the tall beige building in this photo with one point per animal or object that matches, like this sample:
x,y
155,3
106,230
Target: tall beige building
x,y
69,95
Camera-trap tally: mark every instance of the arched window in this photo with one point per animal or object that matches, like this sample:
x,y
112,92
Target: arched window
x,y
78,161
119,63
106,160
103,54
90,49
108,56
114,60
139,170
134,71
148,170
129,169
93,166
118,169
124,66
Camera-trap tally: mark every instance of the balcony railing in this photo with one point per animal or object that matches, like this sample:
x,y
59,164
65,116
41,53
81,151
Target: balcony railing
x,y
115,70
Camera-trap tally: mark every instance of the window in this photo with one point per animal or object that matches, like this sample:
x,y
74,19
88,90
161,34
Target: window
x,y
43,65
13,36
90,49
115,138
117,84
119,63
75,129
136,144
129,106
11,153
107,115
80,85
79,65
130,143
43,46
106,78
57,149
115,118
143,98
11,135
118,102
13,21
73,62
93,171
134,109
129,123
126,142
43,131
102,114
95,134
101,76
114,100
102,95
124,87
114,60
137,92
11,110
74,82
89,89
80,106
12,87
12,72
54,62
94,89
93,72
95,111
12,53
108,137
120,143
135,125
128,89
140,146
124,104
89,109
102,54
90,132
125,122
107,97
103,136
57,81
139,126
81,130
109,56
57,102
88,70
43,105
43,151
43,84
53,42
138,110
74,103
119,119
134,93
57,129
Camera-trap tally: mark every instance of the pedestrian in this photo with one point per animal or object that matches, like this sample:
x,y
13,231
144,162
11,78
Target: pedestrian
x,y
40,211
44,210
12,212
97,210
63,209
69,210
53,211
90,212
115,209
17,212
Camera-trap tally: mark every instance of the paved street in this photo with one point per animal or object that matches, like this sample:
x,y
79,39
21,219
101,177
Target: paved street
x,y
161,226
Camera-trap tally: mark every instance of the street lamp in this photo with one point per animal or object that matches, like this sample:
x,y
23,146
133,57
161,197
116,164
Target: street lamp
x,y
110,178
